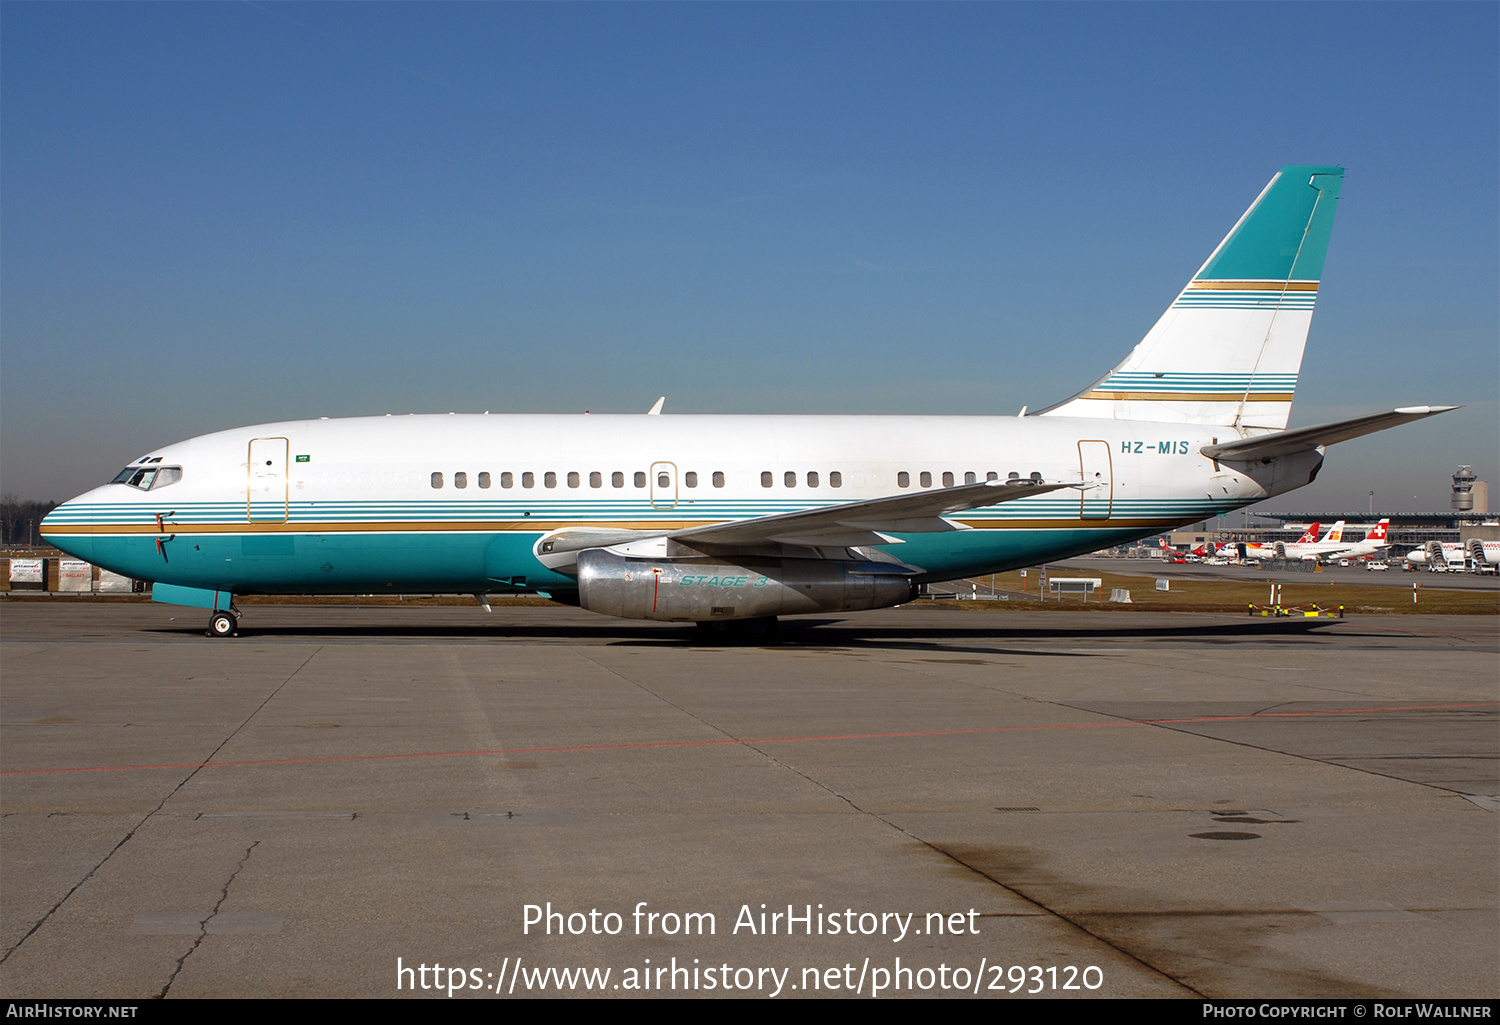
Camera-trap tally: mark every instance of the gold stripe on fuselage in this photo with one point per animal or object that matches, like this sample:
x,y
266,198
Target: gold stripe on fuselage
x,y
537,526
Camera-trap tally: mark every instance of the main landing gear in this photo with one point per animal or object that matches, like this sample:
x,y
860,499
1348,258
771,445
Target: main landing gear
x,y
224,622
761,630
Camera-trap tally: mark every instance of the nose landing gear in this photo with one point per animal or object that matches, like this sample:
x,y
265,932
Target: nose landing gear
x,y
224,623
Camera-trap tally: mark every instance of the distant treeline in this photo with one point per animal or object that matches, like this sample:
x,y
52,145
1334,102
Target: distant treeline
x,y
21,521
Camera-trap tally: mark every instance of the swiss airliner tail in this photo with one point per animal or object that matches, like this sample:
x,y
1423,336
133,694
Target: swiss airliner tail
x,y
1229,348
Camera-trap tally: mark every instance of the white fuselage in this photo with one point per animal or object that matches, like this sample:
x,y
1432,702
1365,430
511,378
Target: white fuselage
x,y
458,502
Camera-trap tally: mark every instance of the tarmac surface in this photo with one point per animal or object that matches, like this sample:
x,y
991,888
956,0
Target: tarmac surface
x,y
341,798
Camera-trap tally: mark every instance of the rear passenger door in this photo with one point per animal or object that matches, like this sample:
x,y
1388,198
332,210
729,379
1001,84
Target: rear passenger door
x,y
1095,503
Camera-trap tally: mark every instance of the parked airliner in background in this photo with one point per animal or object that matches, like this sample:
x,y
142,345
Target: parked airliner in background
x,y
1374,543
1312,548
732,519
1454,556
1280,550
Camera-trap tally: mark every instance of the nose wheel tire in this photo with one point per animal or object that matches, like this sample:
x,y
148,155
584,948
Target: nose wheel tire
x,y
223,624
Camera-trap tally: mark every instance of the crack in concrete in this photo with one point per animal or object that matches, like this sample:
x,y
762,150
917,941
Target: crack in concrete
x,y
203,925
163,803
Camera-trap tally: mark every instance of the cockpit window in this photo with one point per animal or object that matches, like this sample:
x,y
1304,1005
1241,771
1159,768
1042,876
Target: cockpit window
x,y
148,478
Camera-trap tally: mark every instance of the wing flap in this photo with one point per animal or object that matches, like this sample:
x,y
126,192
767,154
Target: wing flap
x,y
847,525
922,512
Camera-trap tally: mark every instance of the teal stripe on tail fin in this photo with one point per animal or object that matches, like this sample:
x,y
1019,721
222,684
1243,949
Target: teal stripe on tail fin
x,y
1228,349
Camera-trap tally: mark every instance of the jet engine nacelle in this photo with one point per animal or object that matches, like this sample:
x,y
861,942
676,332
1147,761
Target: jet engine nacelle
x,y
706,590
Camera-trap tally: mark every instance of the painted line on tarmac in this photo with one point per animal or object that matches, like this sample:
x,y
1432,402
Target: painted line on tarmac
x,y
757,740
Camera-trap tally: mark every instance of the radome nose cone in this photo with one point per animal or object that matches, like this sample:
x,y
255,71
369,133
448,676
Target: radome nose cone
x,y
80,546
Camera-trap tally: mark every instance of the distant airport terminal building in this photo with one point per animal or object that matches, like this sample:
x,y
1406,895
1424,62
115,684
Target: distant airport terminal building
x,y
1468,517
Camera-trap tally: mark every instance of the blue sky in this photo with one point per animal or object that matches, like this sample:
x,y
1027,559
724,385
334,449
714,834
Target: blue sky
x,y
220,214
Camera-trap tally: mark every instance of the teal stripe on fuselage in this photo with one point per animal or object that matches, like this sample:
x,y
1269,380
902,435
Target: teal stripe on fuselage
x,y
584,510
389,563
445,562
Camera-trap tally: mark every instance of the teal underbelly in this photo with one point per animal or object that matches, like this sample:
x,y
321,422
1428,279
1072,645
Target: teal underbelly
x,y
287,563
965,553
452,562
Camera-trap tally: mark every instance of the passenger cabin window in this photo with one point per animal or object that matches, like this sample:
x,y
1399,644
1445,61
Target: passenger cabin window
x,y
835,479
484,478
790,478
596,479
766,480
528,479
926,479
971,477
690,478
812,478
617,479
1013,475
572,478
903,479
947,478
460,479
664,480
640,478
718,478
437,479
507,479
549,479
992,475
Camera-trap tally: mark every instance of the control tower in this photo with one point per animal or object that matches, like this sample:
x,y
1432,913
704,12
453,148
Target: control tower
x,y
1463,489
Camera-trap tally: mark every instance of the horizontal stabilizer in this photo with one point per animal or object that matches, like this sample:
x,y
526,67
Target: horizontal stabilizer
x,y
1305,439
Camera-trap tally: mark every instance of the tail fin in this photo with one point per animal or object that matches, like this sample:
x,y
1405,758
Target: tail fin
x,y
1228,349
1335,532
1310,534
1379,532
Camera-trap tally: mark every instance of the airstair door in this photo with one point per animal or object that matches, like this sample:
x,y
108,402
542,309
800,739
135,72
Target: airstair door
x,y
266,498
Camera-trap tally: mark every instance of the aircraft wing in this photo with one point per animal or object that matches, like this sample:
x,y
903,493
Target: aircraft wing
x,y
1304,439
849,524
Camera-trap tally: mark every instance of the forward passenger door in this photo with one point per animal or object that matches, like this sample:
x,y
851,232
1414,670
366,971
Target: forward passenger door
x,y
266,488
